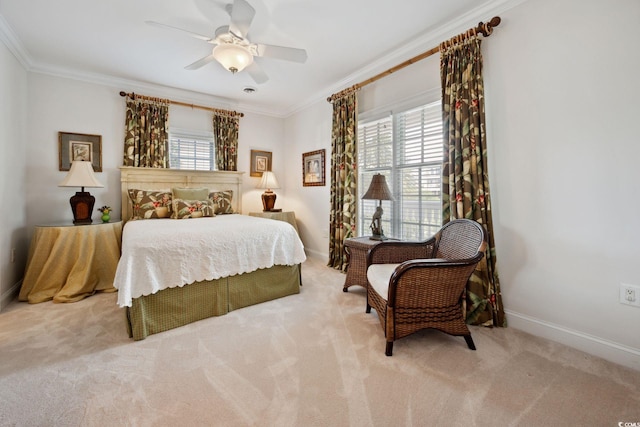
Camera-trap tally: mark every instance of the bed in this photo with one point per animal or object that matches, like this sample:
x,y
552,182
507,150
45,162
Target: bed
x,y
173,272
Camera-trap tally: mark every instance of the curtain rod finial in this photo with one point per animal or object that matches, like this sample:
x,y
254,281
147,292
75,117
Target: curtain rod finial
x,y
486,28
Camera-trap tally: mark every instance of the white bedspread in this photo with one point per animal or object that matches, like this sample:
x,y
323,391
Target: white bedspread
x,y
166,253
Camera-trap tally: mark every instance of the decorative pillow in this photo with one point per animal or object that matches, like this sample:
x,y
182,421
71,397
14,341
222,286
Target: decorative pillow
x,y
149,204
221,202
183,209
190,193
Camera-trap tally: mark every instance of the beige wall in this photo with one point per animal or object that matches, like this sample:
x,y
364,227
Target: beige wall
x,y
73,106
13,141
563,164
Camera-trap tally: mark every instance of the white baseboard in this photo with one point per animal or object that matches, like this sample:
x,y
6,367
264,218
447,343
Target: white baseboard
x,y
9,295
609,350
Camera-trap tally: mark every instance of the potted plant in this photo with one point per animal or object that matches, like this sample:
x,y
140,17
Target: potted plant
x,y
105,213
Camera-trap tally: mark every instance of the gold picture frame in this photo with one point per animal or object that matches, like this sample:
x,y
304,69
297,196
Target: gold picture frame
x,y
79,146
313,166
260,162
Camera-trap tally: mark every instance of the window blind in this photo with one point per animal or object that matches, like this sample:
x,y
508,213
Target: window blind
x,y
191,150
406,147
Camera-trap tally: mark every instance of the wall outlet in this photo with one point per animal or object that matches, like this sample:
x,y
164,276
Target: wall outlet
x,y
630,294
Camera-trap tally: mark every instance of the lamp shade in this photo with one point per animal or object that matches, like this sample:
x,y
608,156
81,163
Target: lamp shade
x,y
268,180
233,57
378,189
80,175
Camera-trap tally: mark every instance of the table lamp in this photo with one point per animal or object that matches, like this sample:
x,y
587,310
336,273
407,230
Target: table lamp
x,y
81,175
378,190
268,182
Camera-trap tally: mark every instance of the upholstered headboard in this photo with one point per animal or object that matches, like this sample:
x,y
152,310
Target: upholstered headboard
x,y
166,179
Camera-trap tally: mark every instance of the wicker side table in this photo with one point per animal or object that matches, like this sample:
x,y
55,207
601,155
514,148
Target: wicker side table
x,y
356,249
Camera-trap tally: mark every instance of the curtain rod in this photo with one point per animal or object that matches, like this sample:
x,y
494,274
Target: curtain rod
x,y
184,104
483,28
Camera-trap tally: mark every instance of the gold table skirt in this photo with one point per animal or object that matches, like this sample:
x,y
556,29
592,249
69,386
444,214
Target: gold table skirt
x,y
69,263
289,217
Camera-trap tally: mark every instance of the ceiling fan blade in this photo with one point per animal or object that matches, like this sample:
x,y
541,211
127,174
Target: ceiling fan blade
x,y
257,73
192,34
279,52
200,63
241,16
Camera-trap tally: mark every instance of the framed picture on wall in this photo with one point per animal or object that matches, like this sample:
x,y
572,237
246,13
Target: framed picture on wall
x,y
79,146
260,162
313,168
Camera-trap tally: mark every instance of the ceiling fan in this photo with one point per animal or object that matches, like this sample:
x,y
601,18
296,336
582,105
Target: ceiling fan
x,y
233,50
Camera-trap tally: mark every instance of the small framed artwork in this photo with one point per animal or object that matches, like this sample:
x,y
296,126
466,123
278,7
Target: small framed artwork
x,y
260,162
313,168
79,146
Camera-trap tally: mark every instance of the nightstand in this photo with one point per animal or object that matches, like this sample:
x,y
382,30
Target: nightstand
x,y
356,249
67,262
289,217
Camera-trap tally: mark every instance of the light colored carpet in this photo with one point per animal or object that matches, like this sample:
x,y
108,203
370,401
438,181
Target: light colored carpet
x,y
313,359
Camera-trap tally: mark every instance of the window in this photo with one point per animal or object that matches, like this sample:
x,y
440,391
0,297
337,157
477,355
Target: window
x,y
191,150
406,147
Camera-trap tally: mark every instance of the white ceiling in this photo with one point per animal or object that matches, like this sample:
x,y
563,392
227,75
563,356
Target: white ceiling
x,y
344,38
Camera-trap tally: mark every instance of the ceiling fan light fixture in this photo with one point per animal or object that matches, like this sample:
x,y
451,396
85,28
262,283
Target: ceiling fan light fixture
x,y
233,57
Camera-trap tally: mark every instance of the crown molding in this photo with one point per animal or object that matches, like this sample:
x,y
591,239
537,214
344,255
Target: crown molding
x,y
129,85
415,47
158,90
9,38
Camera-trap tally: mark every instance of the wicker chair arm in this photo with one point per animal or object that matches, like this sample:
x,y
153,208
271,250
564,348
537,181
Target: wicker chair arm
x,y
395,252
459,269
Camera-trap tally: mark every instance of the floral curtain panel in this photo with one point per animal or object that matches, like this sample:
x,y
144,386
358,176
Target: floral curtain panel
x,y
225,131
146,141
465,181
342,219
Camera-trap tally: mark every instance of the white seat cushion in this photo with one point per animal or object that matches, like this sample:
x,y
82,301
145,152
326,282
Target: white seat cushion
x,y
379,275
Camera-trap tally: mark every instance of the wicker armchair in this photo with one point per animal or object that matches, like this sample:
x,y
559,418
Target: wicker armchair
x,y
419,285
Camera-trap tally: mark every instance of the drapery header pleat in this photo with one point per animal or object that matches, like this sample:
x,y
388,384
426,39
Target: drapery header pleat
x,y
215,111
343,93
468,35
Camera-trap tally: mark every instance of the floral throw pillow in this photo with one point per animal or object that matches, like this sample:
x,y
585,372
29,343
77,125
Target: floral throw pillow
x,y
183,209
221,201
150,204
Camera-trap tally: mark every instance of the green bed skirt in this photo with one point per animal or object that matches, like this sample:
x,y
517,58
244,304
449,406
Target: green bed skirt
x,y
174,307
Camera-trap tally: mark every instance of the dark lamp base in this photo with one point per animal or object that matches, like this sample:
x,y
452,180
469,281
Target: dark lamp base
x,y
268,201
82,207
